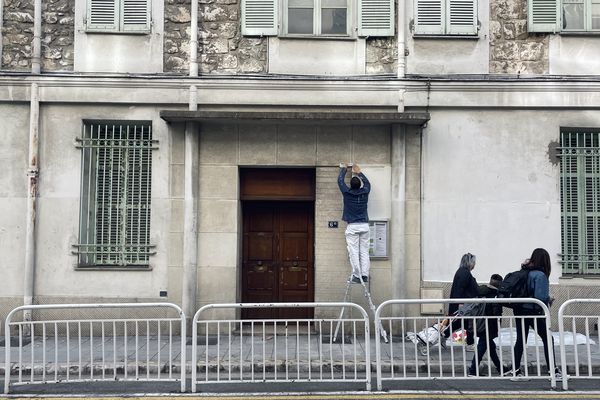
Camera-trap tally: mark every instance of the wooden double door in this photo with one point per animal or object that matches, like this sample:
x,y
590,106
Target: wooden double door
x,y
278,256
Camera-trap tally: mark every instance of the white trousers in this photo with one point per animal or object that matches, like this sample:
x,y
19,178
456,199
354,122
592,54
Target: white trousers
x,y
357,240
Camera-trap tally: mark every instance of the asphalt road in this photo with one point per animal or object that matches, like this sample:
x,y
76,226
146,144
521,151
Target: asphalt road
x,y
433,389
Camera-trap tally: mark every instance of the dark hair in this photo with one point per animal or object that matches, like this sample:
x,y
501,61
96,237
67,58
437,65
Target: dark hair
x,y
355,182
496,280
540,259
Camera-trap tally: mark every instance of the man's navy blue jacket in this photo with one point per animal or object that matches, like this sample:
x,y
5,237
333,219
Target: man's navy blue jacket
x,y
355,200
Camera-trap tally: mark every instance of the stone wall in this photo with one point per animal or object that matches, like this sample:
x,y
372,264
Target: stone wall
x,y
512,49
221,47
57,34
382,56
17,34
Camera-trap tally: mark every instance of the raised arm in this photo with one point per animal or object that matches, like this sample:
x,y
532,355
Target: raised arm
x,y
366,183
341,183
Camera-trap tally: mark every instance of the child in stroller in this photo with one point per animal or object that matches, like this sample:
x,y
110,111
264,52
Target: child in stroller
x,y
429,336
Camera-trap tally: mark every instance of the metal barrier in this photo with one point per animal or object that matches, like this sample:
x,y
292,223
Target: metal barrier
x,y
583,355
419,350
277,350
87,349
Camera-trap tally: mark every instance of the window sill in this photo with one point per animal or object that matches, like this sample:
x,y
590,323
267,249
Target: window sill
x,y
128,33
109,268
583,280
450,37
308,37
568,33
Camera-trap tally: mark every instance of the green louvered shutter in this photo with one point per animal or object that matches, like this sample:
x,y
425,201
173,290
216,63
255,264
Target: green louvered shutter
x,y
462,17
136,16
260,17
429,17
580,201
115,208
375,18
543,15
102,15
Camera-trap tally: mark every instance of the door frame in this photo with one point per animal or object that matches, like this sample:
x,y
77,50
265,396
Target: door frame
x,y
306,177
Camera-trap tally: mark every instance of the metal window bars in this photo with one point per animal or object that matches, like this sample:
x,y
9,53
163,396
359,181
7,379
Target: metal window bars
x,y
115,205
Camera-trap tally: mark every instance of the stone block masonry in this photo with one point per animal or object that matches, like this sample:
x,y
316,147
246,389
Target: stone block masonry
x,y
221,47
513,50
57,34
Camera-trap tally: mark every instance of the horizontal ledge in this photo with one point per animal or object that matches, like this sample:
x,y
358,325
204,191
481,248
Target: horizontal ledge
x,y
345,117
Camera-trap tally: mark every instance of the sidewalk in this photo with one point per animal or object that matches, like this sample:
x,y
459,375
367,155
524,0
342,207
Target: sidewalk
x,y
149,356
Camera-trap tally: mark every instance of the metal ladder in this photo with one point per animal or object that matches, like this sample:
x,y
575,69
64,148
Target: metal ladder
x,y
367,294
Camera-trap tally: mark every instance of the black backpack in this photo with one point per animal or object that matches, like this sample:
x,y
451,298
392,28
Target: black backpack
x,y
514,285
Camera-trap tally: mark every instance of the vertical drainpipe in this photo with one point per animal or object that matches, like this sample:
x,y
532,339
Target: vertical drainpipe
x,y
36,59
190,223
398,226
32,179
401,50
194,40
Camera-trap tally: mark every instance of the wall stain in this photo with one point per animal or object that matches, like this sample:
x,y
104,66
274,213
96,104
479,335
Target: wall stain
x,y
553,152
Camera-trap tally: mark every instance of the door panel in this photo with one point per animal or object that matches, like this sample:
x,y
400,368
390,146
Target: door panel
x,y
278,257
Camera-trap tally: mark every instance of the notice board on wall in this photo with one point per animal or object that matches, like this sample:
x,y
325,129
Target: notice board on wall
x,y
378,242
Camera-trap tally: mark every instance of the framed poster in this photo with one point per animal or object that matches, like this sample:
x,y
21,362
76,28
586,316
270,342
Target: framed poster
x,y
378,242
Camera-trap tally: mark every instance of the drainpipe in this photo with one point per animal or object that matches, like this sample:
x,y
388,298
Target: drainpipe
x,y
194,40
1,26
190,213
401,39
37,37
397,226
32,179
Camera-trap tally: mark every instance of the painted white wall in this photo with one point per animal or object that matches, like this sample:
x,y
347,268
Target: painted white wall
x,y
317,57
379,207
58,212
490,188
443,55
574,55
119,52
13,196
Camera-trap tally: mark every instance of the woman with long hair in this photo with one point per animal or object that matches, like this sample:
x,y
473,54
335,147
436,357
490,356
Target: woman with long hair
x,y
538,287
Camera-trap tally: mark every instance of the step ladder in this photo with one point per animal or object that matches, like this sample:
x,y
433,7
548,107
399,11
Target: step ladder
x,y
367,294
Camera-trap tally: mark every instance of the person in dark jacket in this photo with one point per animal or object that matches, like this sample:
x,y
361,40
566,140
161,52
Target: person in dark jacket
x,y
356,198
464,286
538,287
487,328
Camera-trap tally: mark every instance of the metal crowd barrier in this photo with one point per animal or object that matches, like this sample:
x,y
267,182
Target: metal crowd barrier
x,y
417,348
278,350
583,354
94,349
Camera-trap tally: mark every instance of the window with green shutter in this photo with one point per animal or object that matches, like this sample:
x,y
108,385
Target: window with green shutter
x,y
563,16
318,18
118,16
116,172
445,17
579,154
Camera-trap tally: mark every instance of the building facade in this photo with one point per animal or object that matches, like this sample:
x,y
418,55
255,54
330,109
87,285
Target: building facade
x,y
188,151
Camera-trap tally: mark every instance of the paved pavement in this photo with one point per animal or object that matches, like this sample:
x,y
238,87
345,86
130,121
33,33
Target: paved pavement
x,y
289,358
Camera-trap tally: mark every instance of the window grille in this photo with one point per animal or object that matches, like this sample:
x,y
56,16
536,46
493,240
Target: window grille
x,y
579,152
116,171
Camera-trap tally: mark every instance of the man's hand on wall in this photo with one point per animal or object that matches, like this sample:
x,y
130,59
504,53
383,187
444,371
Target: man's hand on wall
x,y
355,168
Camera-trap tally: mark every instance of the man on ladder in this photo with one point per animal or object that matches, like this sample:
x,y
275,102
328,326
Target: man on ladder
x,y
356,198
355,214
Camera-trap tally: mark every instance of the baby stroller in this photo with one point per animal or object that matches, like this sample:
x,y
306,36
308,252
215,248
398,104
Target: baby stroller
x,y
430,336
434,334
